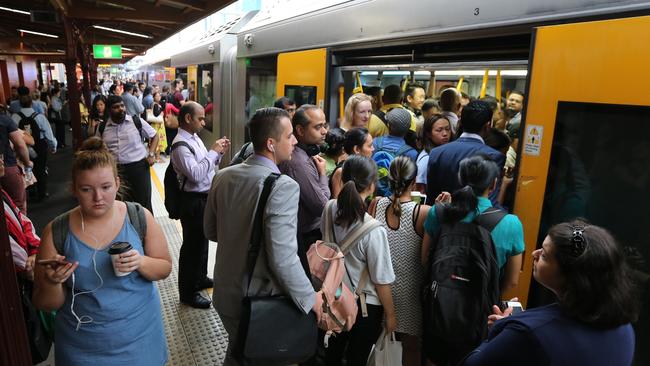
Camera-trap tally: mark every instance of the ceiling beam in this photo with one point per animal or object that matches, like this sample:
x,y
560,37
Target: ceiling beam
x,y
91,40
154,25
60,5
165,17
192,4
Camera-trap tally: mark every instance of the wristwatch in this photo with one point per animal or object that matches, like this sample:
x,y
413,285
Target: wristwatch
x,y
150,155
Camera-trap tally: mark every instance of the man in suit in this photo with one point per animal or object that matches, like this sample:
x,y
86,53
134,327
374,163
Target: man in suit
x,y
228,220
442,173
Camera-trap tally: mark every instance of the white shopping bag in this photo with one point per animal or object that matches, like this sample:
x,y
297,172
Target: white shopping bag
x,y
386,351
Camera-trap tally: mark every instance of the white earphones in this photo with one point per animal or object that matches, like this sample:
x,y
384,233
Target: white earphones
x,y
272,148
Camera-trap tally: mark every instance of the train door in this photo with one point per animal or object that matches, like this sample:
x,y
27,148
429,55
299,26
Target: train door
x,y
302,76
586,140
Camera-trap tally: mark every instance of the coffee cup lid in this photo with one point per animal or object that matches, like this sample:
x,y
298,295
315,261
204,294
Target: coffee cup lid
x,y
119,247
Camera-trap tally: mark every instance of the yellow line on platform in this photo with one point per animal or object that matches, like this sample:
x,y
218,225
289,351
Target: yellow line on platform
x,y
157,183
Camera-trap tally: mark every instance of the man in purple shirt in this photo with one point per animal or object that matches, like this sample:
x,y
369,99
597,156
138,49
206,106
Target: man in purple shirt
x,y
195,170
308,169
124,141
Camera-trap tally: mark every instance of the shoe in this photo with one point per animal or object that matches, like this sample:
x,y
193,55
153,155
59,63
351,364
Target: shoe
x,y
197,301
206,283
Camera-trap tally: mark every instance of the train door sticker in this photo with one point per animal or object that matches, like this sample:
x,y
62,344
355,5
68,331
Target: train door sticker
x,y
533,141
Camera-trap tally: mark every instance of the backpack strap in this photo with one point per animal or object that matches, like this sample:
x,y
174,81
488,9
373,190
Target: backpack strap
x,y
137,218
175,145
382,117
60,227
137,122
379,143
328,234
346,244
22,116
404,149
101,128
490,218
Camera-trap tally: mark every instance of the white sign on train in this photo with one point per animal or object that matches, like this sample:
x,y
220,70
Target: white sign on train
x,y
533,141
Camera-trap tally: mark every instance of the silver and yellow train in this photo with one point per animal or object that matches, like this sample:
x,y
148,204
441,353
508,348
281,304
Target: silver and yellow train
x,y
585,137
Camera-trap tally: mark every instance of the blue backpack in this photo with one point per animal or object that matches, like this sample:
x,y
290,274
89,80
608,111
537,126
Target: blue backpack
x,y
383,157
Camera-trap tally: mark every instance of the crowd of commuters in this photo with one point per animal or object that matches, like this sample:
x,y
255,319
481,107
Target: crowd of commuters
x,y
389,151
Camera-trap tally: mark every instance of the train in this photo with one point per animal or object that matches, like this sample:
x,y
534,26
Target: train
x,y
585,140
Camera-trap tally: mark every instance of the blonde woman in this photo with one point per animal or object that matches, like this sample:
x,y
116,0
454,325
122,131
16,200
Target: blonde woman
x,y
358,111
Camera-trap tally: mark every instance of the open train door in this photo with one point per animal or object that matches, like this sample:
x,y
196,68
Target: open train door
x,y
302,76
585,147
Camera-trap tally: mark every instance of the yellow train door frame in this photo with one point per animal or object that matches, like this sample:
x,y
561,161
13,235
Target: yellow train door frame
x,y
573,63
303,70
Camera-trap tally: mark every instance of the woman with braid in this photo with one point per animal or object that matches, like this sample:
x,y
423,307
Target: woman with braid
x,y
403,220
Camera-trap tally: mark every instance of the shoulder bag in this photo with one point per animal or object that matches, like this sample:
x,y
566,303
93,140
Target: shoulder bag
x,y
272,329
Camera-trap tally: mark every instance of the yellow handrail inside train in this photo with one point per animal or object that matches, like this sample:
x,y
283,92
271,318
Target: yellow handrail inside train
x,y
497,90
341,101
359,87
460,83
486,75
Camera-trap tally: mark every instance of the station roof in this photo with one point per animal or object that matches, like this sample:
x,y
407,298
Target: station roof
x,y
146,23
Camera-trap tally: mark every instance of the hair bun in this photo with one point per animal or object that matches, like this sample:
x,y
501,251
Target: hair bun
x,y
94,144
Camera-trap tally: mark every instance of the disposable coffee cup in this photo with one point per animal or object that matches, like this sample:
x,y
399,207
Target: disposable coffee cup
x,y
115,250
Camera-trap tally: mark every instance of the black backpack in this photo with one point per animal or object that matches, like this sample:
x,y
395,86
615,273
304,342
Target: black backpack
x,y
173,191
31,121
462,285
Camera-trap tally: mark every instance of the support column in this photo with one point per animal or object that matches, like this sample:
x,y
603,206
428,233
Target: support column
x,y
72,36
14,346
84,60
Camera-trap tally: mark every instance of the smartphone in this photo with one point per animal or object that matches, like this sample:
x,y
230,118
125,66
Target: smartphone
x,y
515,305
45,262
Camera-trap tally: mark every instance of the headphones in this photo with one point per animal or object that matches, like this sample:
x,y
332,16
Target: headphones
x,y
272,148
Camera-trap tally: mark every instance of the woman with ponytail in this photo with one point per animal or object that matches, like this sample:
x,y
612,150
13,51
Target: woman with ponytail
x,y
403,220
356,141
370,253
478,177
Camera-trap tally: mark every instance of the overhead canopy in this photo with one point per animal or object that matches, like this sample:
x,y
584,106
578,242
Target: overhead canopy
x,y
146,23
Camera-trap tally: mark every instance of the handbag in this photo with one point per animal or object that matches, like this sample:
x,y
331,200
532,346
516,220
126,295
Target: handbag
x,y
171,120
151,118
39,341
386,351
272,329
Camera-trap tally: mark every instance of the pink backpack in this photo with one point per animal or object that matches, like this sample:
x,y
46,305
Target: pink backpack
x,y
337,306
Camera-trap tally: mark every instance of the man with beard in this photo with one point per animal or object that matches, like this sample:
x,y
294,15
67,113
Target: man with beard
x,y
514,105
124,136
308,169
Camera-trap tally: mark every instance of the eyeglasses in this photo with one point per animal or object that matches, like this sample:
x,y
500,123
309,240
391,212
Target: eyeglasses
x,y
578,241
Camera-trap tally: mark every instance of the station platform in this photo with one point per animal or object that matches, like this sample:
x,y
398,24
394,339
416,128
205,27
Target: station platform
x,y
195,337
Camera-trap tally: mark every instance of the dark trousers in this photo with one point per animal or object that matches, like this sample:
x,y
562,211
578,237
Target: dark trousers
x,y
305,240
193,259
359,339
59,131
40,168
136,179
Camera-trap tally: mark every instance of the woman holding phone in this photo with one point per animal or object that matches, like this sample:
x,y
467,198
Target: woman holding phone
x,y
108,309
590,322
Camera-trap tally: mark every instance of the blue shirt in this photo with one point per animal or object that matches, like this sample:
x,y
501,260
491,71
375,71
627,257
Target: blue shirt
x,y
15,107
547,336
508,235
43,125
393,143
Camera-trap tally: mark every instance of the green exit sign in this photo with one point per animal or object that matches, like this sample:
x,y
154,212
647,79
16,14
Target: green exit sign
x,y
107,51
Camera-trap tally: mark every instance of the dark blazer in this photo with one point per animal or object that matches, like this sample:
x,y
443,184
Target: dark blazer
x,y
442,171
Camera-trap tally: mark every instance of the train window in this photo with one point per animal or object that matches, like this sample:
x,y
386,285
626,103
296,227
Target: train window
x,y
204,92
301,94
261,81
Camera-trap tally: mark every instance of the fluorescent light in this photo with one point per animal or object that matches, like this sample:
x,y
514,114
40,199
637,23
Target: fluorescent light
x,y
126,49
481,73
123,32
38,33
14,10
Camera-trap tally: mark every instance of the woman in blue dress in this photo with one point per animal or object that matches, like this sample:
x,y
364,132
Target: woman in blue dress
x,y
101,318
